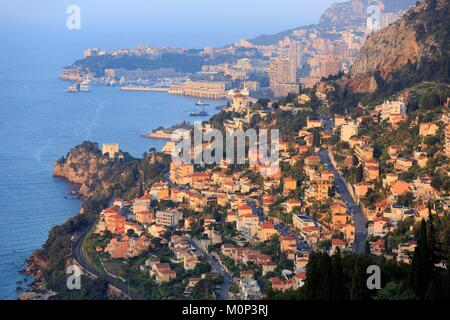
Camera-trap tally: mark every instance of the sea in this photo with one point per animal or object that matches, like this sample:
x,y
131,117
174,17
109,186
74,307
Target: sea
x,y
40,122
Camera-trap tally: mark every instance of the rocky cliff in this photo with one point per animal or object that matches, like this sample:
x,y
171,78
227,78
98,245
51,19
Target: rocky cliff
x,y
413,49
85,165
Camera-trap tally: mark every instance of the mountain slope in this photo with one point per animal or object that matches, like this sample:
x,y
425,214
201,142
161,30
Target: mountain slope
x,y
413,49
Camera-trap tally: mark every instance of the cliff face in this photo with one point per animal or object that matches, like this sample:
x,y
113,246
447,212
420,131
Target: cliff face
x,y
417,42
85,165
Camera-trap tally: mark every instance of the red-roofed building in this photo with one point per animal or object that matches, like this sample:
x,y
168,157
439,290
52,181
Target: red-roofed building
x,y
281,285
399,187
380,226
288,244
244,209
338,243
266,231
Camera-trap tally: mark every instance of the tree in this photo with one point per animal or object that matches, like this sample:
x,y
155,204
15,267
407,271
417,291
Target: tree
x,y
359,174
367,247
319,283
431,240
434,291
130,233
313,278
338,291
422,267
406,199
355,160
395,291
326,284
358,288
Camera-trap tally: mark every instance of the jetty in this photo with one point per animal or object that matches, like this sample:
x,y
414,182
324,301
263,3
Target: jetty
x,y
157,89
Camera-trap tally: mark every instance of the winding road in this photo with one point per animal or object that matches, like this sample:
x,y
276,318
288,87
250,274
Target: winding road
x,y
77,255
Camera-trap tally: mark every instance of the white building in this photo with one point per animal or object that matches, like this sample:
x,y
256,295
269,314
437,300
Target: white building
x,y
389,108
168,218
250,289
349,130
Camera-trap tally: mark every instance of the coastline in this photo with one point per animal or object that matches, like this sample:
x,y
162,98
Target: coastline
x,y
37,289
88,158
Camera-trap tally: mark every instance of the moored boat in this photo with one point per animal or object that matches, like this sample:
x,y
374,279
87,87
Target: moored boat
x,y
201,103
199,114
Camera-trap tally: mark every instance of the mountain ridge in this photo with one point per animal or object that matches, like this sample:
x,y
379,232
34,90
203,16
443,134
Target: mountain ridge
x,y
339,15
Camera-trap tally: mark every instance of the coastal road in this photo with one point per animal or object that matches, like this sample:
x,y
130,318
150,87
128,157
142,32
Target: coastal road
x,y
341,187
226,284
77,255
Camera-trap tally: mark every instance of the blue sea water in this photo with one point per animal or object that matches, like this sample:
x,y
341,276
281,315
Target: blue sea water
x,y
40,122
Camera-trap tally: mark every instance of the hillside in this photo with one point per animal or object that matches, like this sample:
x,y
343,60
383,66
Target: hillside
x,y
411,50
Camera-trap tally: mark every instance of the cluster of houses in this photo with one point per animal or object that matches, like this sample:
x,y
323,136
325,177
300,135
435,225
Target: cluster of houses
x,y
131,224
384,214
161,272
248,203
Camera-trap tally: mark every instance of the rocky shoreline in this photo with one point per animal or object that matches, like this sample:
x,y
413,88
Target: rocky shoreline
x,y
37,290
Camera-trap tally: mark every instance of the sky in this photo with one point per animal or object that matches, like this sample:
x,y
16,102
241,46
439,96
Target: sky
x,y
191,23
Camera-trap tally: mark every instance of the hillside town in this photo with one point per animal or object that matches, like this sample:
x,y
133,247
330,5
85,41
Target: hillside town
x,y
361,181
346,184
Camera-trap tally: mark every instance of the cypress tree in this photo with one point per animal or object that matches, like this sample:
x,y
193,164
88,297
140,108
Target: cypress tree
x,y
386,245
318,285
313,278
367,247
421,270
326,279
359,290
431,235
359,174
338,291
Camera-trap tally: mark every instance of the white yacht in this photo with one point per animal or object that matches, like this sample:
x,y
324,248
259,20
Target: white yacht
x,y
84,86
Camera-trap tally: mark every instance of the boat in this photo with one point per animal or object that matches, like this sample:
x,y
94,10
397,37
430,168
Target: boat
x,y
73,88
221,107
84,86
111,83
201,103
199,114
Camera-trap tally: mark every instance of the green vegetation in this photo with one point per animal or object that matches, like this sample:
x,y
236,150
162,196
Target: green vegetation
x,y
344,277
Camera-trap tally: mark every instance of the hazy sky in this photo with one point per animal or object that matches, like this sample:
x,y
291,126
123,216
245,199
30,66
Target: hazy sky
x,y
172,22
